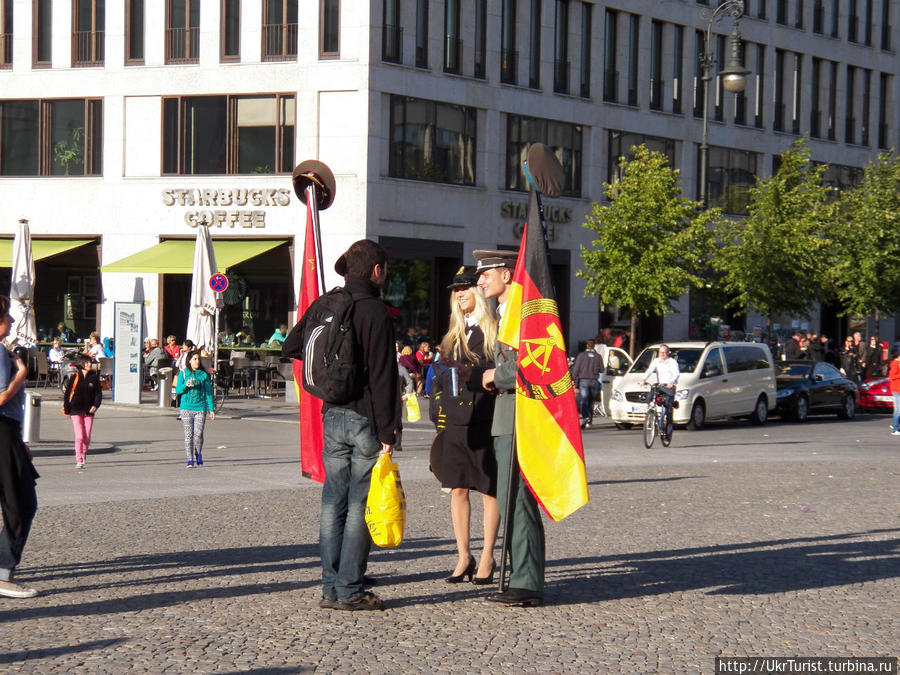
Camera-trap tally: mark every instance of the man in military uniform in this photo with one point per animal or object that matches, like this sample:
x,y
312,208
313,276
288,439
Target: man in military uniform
x,y
524,537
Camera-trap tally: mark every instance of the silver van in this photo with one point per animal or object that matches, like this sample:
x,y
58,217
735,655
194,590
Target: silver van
x,y
718,380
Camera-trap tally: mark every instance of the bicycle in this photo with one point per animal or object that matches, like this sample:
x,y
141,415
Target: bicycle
x,y
220,390
655,421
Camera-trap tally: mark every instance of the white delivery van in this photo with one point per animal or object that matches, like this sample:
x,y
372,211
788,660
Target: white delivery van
x,y
718,380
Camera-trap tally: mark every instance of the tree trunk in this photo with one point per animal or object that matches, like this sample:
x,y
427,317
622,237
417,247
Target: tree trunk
x,y
631,346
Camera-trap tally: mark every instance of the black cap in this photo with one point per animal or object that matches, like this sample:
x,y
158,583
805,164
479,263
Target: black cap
x,y
465,277
490,259
314,172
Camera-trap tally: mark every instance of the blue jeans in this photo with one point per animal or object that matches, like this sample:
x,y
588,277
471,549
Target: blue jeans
x,y
896,424
351,450
587,391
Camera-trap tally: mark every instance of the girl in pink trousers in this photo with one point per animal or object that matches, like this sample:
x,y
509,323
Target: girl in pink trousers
x,y
81,399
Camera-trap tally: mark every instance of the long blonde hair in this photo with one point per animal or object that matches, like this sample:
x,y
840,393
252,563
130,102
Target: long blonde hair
x,y
454,344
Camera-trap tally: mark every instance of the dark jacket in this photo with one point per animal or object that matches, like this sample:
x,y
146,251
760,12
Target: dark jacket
x,y
82,393
471,405
380,400
791,349
588,366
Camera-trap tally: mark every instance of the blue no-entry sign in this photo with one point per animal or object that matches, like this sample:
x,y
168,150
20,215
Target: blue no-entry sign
x,y
218,282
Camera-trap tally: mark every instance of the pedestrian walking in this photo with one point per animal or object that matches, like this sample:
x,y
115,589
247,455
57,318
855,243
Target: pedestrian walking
x,y
586,374
894,377
18,497
81,398
195,399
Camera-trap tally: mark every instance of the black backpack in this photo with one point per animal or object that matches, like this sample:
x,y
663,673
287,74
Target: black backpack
x,y
324,340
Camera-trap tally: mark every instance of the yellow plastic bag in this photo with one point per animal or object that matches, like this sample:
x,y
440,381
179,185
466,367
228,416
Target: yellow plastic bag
x,y
412,408
386,505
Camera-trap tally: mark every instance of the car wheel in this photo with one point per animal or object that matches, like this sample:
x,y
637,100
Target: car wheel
x,y
848,407
760,412
802,410
624,425
698,417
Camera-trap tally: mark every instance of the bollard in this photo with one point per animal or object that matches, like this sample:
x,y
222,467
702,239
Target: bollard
x,y
164,379
31,427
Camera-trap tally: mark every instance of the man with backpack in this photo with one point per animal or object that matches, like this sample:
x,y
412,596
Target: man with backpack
x,y
360,421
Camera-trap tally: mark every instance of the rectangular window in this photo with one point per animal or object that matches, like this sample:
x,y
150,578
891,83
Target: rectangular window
x,y
230,30
480,39
211,135
759,76
610,72
866,108
88,32
586,33
796,93
330,29
884,93
509,57
534,54
620,145
432,141
832,101
740,98
798,14
391,32
134,32
699,84
781,12
279,30
819,16
731,175
849,119
43,33
182,31
51,137
815,112
6,34
634,22
562,138
422,33
452,41
886,25
656,47
867,40
719,91
852,22
778,123
561,48
761,9
835,18
677,65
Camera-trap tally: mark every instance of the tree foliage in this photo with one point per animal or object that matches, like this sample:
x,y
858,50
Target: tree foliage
x,y
772,261
864,261
651,242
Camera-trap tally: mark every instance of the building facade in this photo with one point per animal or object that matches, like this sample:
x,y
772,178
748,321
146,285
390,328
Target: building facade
x,y
125,125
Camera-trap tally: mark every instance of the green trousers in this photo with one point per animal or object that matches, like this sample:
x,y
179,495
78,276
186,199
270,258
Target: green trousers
x,y
523,526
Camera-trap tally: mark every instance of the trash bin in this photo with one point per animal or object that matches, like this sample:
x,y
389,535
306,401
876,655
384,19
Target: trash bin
x,y
31,428
164,379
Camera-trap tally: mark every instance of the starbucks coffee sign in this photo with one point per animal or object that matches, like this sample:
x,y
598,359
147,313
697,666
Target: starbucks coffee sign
x,y
226,207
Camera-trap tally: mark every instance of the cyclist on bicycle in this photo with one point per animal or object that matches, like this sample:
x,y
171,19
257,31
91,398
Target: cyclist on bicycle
x,y
667,373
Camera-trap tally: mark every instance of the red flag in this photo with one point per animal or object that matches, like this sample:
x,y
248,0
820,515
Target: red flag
x,y
548,437
311,438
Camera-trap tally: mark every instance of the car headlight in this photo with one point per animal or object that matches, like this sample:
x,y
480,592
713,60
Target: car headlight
x,y
682,394
617,396
784,393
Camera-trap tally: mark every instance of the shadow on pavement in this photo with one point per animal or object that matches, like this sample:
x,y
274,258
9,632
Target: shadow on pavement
x,y
644,480
35,654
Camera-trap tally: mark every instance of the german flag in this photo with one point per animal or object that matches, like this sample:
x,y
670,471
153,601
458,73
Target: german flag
x,y
312,440
548,437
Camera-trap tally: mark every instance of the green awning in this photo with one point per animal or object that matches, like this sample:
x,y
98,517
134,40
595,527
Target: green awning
x,y
41,248
176,256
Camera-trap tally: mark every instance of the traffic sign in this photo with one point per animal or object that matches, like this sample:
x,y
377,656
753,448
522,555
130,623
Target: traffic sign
x,y
218,282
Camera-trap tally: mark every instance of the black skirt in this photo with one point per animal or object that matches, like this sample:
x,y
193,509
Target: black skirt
x,y
468,460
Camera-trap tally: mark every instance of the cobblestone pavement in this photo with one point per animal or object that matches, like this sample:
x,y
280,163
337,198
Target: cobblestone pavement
x,y
738,540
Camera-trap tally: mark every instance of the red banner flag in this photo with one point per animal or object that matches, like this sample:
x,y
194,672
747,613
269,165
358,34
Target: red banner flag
x,y
311,439
548,437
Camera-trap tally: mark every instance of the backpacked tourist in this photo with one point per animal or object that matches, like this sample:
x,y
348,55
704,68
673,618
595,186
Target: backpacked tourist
x,y
81,399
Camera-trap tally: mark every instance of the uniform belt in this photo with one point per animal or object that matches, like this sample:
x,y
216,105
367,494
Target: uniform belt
x,y
506,391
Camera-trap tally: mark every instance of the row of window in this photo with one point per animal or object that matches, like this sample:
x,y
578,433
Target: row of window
x,y
182,33
429,140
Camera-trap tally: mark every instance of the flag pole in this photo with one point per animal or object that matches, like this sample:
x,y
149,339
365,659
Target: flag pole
x,y
312,200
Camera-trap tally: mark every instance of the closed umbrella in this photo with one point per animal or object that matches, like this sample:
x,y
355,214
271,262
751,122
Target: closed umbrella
x,y
21,289
201,329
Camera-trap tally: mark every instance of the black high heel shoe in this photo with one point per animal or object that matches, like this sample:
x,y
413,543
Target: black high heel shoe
x,y
488,580
468,572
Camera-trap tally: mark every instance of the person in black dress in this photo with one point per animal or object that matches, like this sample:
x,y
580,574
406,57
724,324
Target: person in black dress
x,y
464,416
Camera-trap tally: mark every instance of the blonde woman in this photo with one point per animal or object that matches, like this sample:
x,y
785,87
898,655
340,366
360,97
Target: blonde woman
x,y
465,416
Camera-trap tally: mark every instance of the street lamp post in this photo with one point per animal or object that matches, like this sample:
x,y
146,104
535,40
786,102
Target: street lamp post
x,y
734,78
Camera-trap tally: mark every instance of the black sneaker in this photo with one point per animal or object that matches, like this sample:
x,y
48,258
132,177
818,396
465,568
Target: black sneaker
x,y
517,597
366,601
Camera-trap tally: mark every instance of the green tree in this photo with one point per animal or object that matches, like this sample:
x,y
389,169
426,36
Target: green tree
x,y
68,152
864,261
771,261
651,242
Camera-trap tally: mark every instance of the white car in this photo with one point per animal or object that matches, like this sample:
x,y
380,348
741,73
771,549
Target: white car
x,y
718,380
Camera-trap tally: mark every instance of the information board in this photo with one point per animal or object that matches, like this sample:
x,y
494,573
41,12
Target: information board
x,y
127,366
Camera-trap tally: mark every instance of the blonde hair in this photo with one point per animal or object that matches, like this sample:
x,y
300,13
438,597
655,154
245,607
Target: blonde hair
x,y
406,351
454,344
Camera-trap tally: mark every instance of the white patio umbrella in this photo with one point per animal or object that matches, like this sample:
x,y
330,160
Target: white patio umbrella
x,y
21,289
201,328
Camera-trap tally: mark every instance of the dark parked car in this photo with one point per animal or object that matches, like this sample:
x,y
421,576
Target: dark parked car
x,y
876,394
809,387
